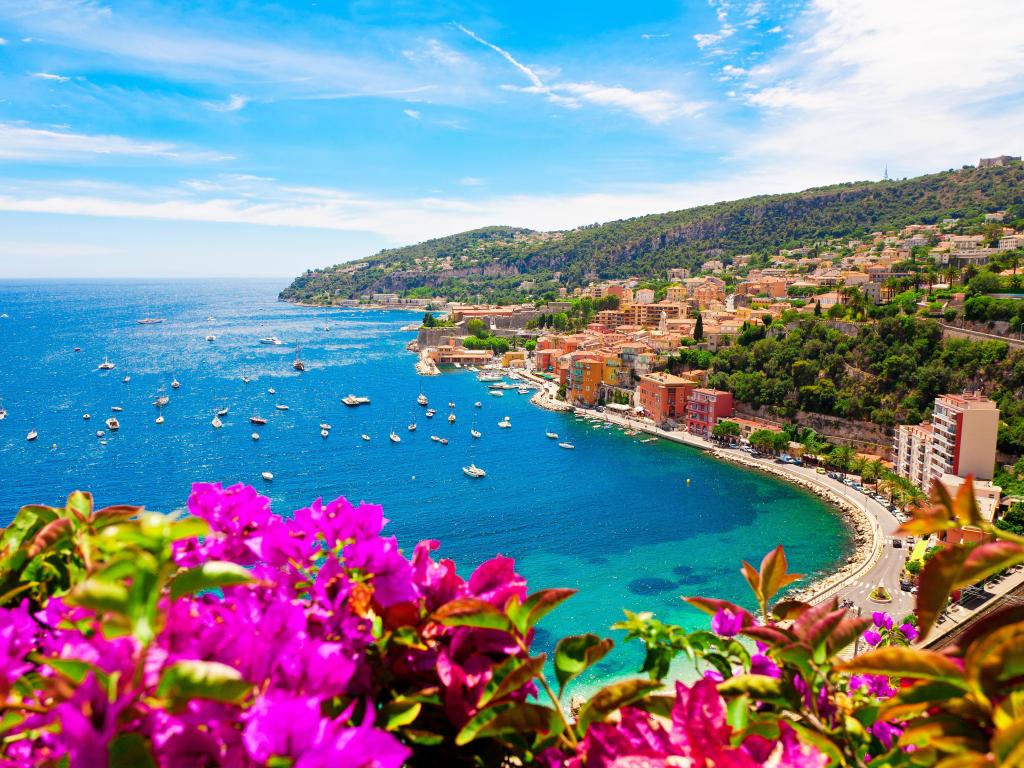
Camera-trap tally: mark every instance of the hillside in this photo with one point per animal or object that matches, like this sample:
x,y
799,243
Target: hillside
x,y
494,261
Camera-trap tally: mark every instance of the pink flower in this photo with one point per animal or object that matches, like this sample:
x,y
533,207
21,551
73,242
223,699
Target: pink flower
x,y
872,638
882,620
909,631
727,623
17,638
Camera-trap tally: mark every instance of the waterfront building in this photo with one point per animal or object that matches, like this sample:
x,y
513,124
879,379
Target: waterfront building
x,y
704,408
451,353
913,453
663,396
585,377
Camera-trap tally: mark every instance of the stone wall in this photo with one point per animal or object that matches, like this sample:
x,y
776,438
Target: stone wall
x,y
862,436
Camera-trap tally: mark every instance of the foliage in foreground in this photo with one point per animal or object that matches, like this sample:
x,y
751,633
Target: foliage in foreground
x,y
234,637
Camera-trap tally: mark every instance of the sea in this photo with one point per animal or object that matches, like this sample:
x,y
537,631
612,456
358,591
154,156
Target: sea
x,y
631,525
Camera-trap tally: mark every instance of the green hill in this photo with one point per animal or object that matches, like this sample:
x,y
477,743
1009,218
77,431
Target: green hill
x,y
495,261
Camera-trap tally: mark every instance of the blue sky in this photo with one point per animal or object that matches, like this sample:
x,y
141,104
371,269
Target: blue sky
x,y
216,138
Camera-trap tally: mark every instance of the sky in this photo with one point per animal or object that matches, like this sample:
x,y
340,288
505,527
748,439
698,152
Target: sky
x,y
211,138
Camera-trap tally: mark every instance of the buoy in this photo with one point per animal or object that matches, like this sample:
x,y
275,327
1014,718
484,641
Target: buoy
x,y
687,481
414,477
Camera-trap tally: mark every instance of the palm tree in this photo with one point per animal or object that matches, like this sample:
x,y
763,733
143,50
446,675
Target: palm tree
x,y
874,470
857,465
841,457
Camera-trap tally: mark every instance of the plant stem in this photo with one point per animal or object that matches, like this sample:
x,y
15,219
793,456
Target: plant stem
x,y
554,699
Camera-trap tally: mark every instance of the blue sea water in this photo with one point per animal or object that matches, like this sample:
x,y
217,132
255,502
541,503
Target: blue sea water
x,y
615,518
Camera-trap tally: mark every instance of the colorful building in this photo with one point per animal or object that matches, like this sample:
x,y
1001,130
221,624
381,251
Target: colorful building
x,y
584,382
663,396
704,408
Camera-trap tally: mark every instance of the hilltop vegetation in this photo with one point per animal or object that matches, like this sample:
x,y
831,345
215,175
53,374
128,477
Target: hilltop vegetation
x,y
495,261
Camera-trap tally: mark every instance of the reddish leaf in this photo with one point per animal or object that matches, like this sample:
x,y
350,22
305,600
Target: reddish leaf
x,y
965,506
906,662
50,535
540,604
753,579
510,676
611,698
987,660
848,630
986,559
712,605
113,515
774,575
769,635
935,583
471,612
80,505
789,609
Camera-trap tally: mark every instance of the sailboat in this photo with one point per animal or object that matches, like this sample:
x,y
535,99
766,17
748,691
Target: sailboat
x,y
552,435
298,365
324,433
412,427
568,446
85,416
473,471
365,437
217,423
394,438
505,423
255,436
477,404
161,401
106,365
422,399
474,431
268,476
175,384
211,337
31,435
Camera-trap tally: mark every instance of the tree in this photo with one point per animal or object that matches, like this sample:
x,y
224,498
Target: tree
x,y
561,321
429,321
841,457
764,440
1013,520
530,345
698,329
477,327
726,431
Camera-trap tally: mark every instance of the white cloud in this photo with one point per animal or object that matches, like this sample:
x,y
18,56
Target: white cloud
x,y
19,142
50,76
775,30
655,106
2,41
234,103
731,71
413,113
651,36
435,51
471,181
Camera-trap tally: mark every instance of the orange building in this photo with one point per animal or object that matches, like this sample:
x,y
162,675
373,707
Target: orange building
x,y
664,396
584,382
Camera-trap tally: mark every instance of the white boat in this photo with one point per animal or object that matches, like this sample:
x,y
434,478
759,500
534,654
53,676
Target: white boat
x,y
103,442
281,407
394,438
297,364
268,476
259,421
175,384
505,423
474,433
216,423
412,427
255,435
222,412
324,433
422,399
451,405
271,340
451,418
3,414
489,376
113,424
365,437
271,391
353,400
496,393
161,401
443,441
86,416
150,320
523,391
477,404
245,379
159,419
569,446
435,438
499,385
126,379
100,433
211,337
325,426
31,435
458,365
473,471
430,413
552,435
116,408
106,365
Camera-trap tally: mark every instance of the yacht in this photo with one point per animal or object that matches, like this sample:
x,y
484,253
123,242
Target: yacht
x,y
281,407
394,438
430,413
473,471
271,391
326,426
31,435
412,427
365,437
3,413
106,365
523,390
259,421
324,433
489,376
570,446
298,365
552,435
126,379
499,385
175,384
245,379
100,433
161,401
271,340
78,349
354,400
216,423
443,441
160,419
116,408
150,320
477,404
255,435
451,405
435,438
505,423
451,418
422,399
211,337
474,433
113,424
268,476
496,393
222,412
458,365
86,416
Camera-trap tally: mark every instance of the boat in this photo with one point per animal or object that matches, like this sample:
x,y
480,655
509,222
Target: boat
x,y
422,399
211,337
451,405
451,418
474,433
523,390
150,320
499,385
159,419
430,413
325,426
353,400
365,437
255,435
85,416
31,435
175,384
443,441
100,433
126,379
394,438
116,408
106,365
103,442
281,407
473,471
257,420
458,365
505,423
569,446
271,391
489,376
271,340
412,427
222,412
552,435
298,365
245,379
216,423
650,440
324,433
496,393
161,401
78,349
268,476
435,438
477,404
113,424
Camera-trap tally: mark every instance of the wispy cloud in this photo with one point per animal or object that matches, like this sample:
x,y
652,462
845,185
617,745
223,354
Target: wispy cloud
x,y
3,41
19,142
50,76
233,103
413,113
652,36
471,181
655,106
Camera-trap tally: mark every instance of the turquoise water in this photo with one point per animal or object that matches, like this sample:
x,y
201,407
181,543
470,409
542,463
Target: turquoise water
x,y
614,518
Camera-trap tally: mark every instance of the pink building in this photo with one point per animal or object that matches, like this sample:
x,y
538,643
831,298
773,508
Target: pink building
x,y
704,408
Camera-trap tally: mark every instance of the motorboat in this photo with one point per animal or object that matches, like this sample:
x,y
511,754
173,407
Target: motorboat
x,y
496,393
255,435
161,401
257,420
451,418
106,365
523,390
281,407
222,412
458,365
175,384
568,446
150,320
430,413
126,379
412,427
474,433
394,438
499,385
365,437
268,476
473,471
422,399
477,404
245,379
159,419
116,408
271,391
324,433
78,349
85,416
326,426
489,376
216,423
505,423
211,337
31,435
113,424
435,438
271,340
353,400
443,441
451,405
100,433
552,435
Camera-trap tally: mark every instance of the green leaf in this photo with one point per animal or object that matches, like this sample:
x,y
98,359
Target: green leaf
x,y
74,670
510,676
399,713
906,662
216,573
521,718
773,573
1008,744
576,653
423,738
101,596
611,698
538,605
130,750
472,612
80,505
202,680
189,528
935,583
760,687
986,559
25,525
737,712
51,534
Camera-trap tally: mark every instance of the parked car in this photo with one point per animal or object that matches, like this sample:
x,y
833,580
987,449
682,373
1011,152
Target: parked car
x,y
907,586
897,544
